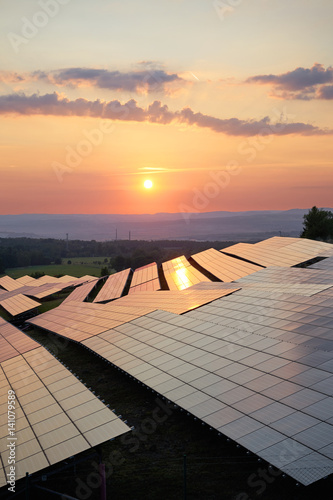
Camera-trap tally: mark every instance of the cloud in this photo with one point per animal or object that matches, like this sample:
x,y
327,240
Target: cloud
x,y
147,80
11,77
326,92
300,83
57,105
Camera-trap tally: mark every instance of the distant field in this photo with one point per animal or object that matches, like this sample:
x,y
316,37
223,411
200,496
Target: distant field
x,y
76,270
90,261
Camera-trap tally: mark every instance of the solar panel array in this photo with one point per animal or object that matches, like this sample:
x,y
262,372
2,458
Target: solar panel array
x,y
174,300
252,358
266,256
56,416
113,287
18,304
280,251
13,342
246,365
307,290
16,300
290,276
79,321
222,266
180,275
311,248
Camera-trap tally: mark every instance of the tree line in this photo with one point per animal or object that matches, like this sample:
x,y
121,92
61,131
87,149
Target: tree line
x,y
117,255
121,254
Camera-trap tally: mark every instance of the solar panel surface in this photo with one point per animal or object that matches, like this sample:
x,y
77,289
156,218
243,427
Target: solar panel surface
x,y
222,266
113,287
56,416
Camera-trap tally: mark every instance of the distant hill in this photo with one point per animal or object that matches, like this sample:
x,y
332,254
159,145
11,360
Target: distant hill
x,y
209,226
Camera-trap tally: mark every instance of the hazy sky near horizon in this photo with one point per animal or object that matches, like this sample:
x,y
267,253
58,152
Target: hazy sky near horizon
x,y
223,105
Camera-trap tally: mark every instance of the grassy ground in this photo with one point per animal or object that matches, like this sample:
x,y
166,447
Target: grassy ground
x,y
149,463
4,314
47,305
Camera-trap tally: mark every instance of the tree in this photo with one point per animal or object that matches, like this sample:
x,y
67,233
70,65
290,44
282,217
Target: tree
x,y
317,224
104,271
37,274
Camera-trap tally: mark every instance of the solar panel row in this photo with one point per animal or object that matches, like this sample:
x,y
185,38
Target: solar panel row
x,y
144,274
18,304
41,290
222,266
113,287
289,276
81,292
279,251
79,321
56,416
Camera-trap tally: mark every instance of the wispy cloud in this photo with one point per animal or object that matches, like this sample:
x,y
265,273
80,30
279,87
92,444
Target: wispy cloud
x,y
300,83
153,169
57,105
11,77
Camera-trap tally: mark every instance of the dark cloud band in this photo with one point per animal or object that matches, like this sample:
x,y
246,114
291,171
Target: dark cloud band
x,y
56,105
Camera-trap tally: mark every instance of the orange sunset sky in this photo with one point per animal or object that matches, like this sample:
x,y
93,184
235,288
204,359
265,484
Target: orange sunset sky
x,y
223,105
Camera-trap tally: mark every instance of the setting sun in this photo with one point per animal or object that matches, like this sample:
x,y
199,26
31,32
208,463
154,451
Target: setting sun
x,y
148,184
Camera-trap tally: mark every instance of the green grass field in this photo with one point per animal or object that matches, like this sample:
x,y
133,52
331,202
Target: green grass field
x,y
88,261
75,269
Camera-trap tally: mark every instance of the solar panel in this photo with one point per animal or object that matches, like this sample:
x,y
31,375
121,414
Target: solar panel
x,y
311,247
177,301
9,283
180,275
222,266
26,280
114,286
307,289
144,274
148,286
266,256
81,292
56,415
280,251
280,275
18,304
326,264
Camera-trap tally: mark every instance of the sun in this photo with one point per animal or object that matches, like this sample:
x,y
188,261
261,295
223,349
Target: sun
x,y
148,184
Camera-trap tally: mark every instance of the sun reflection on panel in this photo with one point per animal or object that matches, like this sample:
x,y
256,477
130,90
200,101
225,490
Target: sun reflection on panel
x,y
180,274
